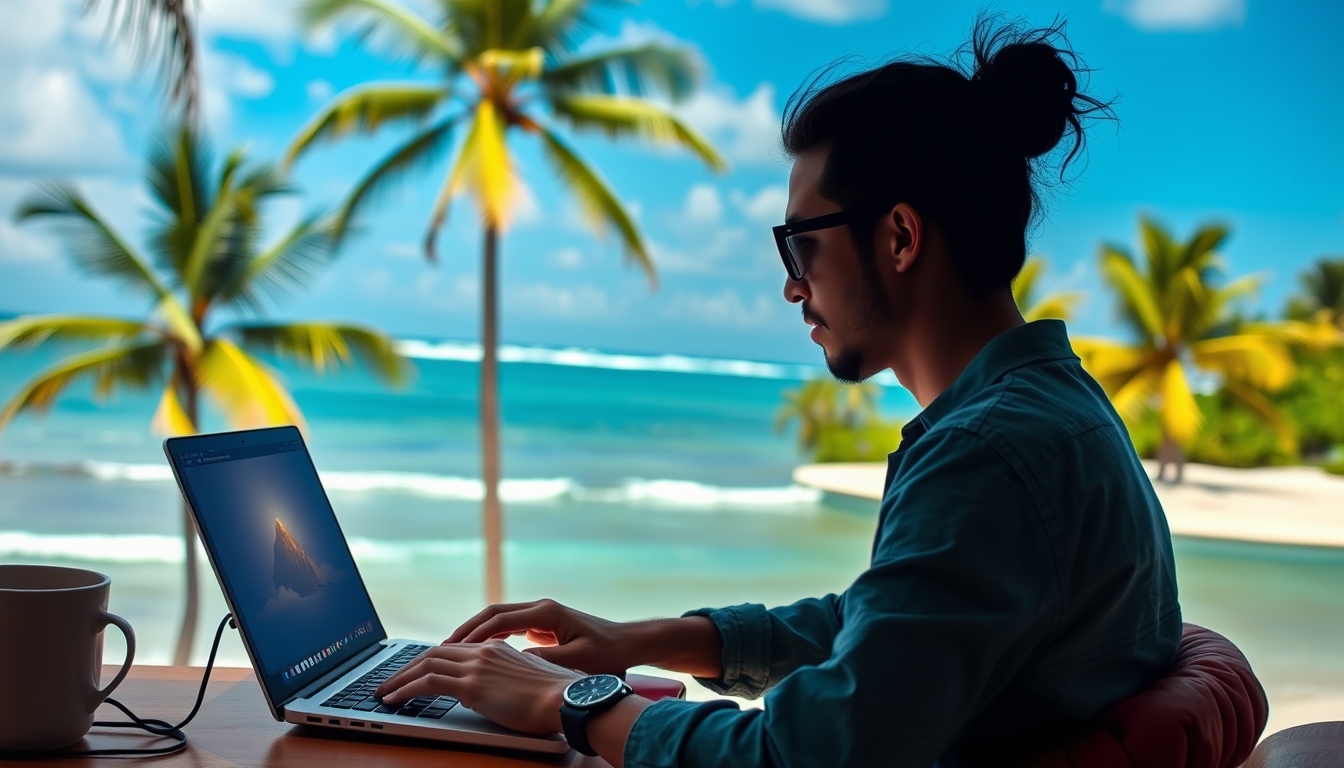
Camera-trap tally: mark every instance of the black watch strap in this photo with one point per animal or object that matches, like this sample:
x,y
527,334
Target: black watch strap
x,y
575,724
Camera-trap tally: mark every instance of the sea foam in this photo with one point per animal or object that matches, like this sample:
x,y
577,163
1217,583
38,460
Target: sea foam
x,y
665,493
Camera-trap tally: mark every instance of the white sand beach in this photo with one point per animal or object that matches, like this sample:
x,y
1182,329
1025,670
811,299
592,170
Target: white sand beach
x,y
1299,507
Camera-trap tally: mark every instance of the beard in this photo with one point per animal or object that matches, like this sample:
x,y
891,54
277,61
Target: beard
x,y
865,312
846,366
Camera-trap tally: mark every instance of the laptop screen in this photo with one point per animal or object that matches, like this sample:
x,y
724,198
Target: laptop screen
x,y
279,553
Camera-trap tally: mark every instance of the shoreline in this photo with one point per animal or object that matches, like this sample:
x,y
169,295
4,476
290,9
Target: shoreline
x,y
1295,506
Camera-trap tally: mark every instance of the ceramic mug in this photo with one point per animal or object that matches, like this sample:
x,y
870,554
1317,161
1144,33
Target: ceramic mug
x,y
51,652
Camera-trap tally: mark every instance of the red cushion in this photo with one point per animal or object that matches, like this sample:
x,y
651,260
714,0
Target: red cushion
x,y
1207,713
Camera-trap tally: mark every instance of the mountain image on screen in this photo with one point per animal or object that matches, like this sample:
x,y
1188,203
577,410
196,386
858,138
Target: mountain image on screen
x,y
294,569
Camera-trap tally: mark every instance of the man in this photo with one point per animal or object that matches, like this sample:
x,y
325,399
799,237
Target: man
x,y
1022,575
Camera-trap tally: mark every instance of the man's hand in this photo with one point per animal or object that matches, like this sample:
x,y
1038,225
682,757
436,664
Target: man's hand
x,y
516,690
576,640
566,637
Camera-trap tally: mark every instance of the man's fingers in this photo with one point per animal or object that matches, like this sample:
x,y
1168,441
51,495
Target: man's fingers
x,y
433,684
425,664
512,623
485,615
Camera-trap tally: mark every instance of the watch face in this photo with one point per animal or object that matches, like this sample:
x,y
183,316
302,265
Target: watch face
x,y
592,689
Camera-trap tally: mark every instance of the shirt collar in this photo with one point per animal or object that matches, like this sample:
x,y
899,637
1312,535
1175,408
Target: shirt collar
x,y
1036,342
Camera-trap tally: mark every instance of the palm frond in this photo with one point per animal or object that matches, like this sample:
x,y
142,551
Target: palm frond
x,y
1263,408
421,151
291,262
1260,361
162,30
553,27
1024,285
1137,303
596,199
484,169
389,23
170,418
364,109
132,365
1133,396
328,346
623,116
32,330
178,175
248,394
1179,412
95,247
651,68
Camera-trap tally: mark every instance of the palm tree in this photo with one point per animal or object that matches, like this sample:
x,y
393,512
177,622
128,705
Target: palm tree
x,y
1322,297
822,404
163,30
207,255
1182,320
506,64
1054,305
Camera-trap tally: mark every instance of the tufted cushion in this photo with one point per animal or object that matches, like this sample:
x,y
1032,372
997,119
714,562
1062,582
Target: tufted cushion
x,y
1207,713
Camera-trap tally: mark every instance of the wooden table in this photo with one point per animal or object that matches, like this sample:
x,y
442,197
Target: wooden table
x,y
235,728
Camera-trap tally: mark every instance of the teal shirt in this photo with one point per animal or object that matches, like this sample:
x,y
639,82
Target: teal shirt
x,y
1021,580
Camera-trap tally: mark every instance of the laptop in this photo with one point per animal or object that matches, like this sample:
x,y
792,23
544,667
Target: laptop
x,y
305,617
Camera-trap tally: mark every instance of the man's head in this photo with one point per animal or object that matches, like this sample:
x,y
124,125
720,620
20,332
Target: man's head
x,y
931,167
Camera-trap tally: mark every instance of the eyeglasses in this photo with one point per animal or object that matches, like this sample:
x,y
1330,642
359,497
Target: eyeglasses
x,y
792,248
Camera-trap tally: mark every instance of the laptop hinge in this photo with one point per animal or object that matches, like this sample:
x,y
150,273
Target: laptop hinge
x,y
335,674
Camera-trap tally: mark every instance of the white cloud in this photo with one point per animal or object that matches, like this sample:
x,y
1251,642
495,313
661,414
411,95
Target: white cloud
x,y
51,121
828,11
712,251
568,258
766,207
703,204
273,21
725,308
1159,15
746,130
825,11
549,300
319,90
235,74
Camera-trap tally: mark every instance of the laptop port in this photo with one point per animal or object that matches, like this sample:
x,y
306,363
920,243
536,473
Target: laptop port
x,y
376,726
312,719
334,721
356,724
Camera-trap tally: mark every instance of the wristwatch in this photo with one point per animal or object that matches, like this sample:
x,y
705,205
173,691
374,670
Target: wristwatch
x,y
584,698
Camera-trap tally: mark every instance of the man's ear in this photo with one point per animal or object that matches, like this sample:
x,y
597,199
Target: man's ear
x,y
902,234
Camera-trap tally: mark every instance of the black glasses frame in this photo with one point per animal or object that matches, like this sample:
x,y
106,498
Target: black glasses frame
x,y
792,264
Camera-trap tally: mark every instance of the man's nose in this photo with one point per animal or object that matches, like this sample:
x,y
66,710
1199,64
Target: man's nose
x,y
796,290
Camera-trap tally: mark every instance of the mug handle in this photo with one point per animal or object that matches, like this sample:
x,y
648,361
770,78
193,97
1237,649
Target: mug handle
x,y
104,619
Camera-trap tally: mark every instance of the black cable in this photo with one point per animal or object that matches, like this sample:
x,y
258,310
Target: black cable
x,y
155,727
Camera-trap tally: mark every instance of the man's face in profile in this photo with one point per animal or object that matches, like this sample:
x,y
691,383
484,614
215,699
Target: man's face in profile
x,y
841,292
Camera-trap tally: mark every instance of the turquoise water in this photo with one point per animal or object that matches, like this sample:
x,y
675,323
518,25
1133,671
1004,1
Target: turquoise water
x,y
636,487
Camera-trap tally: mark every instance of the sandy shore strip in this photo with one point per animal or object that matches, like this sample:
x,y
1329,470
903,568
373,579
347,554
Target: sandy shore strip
x,y
1303,506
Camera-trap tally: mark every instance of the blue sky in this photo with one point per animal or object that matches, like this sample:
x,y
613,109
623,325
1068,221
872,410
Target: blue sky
x,y
1230,111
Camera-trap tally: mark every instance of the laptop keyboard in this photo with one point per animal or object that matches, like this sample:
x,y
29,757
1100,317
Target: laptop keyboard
x,y
358,696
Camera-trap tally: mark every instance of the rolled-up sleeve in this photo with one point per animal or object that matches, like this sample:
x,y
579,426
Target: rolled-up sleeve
x,y
762,647
958,594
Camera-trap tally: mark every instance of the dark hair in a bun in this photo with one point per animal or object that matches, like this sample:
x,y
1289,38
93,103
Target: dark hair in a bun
x,y
960,141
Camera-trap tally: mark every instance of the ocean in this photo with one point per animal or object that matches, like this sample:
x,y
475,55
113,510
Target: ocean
x,y
637,486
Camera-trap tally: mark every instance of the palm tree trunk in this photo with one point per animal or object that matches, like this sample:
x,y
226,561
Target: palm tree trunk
x,y
1170,453
186,636
492,514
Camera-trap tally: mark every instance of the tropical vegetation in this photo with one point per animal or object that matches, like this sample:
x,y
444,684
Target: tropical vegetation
x,y
1057,306
838,422
1181,315
206,278
508,68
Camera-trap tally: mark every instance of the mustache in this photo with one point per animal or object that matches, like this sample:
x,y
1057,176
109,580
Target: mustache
x,y
808,314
